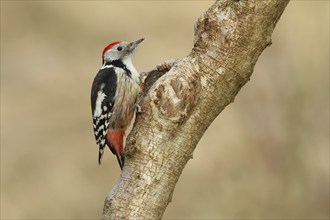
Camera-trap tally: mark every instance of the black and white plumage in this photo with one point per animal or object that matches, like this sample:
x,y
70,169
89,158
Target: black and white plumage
x,y
113,98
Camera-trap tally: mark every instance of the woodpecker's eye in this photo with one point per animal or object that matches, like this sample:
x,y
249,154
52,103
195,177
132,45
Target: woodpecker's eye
x,y
119,48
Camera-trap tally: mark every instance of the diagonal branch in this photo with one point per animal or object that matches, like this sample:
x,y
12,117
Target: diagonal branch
x,y
183,97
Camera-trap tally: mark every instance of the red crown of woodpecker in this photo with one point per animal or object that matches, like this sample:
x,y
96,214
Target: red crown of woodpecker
x,y
109,47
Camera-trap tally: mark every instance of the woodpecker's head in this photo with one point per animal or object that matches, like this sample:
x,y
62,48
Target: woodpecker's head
x,y
119,50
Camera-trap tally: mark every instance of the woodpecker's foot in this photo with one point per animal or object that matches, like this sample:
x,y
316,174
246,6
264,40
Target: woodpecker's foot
x,y
138,108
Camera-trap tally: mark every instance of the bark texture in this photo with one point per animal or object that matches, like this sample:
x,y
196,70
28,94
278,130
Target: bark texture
x,y
182,97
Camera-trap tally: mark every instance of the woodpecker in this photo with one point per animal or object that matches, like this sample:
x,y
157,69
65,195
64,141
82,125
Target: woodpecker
x,y
113,98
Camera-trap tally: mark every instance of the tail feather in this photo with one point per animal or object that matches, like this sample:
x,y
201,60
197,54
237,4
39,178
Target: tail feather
x,y
100,154
121,161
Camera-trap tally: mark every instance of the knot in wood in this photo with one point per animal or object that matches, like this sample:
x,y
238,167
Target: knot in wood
x,y
173,98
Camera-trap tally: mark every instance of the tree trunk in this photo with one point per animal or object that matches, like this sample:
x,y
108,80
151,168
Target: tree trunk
x,y
182,98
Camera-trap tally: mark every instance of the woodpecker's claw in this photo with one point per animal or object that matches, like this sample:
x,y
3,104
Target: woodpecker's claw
x,y
138,108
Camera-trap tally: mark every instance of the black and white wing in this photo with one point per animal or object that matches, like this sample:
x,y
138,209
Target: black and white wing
x,y
102,101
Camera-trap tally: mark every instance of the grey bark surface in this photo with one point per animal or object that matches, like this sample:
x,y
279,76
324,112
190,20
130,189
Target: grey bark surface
x,y
182,98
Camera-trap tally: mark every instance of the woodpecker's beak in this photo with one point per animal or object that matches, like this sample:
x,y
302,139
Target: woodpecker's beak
x,y
133,45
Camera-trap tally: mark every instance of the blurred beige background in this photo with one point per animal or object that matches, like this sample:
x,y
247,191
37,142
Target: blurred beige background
x,y
265,156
